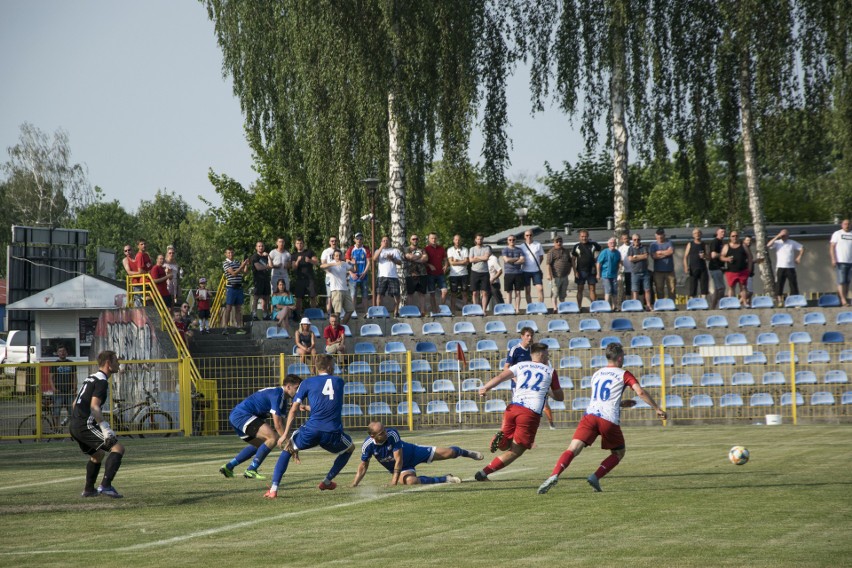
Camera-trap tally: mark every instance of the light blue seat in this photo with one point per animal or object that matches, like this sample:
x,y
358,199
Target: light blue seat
x,y
633,361
685,322
703,340
495,327
769,338
464,327
664,305
314,314
409,312
749,320
800,337
761,399
600,306
692,360
667,360
437,407
556,404
401,329
504,310
822,398
795,301
570,362
736,339
742,379
425,347
466,406
729,304
534,308
299,369
512,342
271,332
471,384
673,341
495,405
346,331
377,312
484,345
640,342
551,342
621,324
568,308
730,399
697,304
762,302
787,399
283,334
354,387
773,378
598,361
505,385
384,387
453,345
579,343
581,403
632,306
609,339
829,301
640,404
526,323
674,401
432,328
315,330
652,322
781,319
416,387
681,380
716,321
566,383
443,385
843,318
783,358
806,378
724,360
650,380
351,410
701,401
395,347
832,337
479,364
845,356
711,380
402,408
420,366
471,310
756,358
371,330
359,368
364,348
379,408
836,376
443,312
449,365
846,398
818,356
390,367
557,325
814,318
589,325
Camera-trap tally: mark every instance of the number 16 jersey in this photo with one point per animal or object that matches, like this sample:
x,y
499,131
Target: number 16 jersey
x,y
532,380
607,387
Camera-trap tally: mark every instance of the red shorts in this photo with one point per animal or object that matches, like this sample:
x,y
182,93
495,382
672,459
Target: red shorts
x,y
591,426
520,424
740,278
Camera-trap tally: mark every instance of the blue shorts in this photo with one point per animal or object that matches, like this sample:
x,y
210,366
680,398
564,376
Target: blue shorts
x,y
245,425
640,282
583,277
234,297
334,442
364,285
533,278
844,273
435,282
610,286
421,454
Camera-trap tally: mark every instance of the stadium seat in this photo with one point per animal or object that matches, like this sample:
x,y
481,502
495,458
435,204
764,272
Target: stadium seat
x,y
505,385
786,399
621,324
843,318
598,361
673,341
795,301
484,345
566,383
736,339
818,356
347,331
781,319
769,338
806,378
773,378
681,380
814,318
466,406
697,304
730,399
832,337
650,380
700,401
800,337
664,305
314,314
271,332
425,347
579,343
401,329
377,312
581,403
845,356
641,341
589,325
437,407
395,347
464,328
829,301
748,320
420,366
632,306
711,380
472,384
453,345
495,327
724,360
692,360
568,308
402,408
783,358
551,343
504,310
512,342
836,376
685,322
354,387
742,379
822,398
609,339
557,325
652,322
703,340
351,410
432,328
359,368
729,304
384,387
284,334
556,404
379,408
409,312
534,308
760,302
371,330
364,348
526,323
756,358
479,364
449,365
416,387
600,306
570,362
640,404
667,360
495,405
716,321
633,361
471,310
761,399
846,398
444,385
315,330
443,312
673,401
299,369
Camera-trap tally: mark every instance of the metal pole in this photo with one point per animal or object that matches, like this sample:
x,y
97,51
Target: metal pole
x,y
373,244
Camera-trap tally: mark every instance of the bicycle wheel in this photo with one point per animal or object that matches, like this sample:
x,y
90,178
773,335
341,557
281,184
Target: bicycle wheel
x,y
153,421
27,427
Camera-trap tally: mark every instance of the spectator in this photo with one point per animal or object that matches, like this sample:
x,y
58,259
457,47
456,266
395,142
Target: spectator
x,y
495,270
533,255
335,336
338,289
695,265
325,257
387,258
183,322
234,297
436,266
279,260
415,273
305,340
458,259
513,263
143,264
261,269
360,258
662,251
129,265
64,385
739,262
160,275
558,263
174,273
480,278
282,305
788,255
715,266
583,256
840,249
640,278
625,284
304,261
203,302
607,266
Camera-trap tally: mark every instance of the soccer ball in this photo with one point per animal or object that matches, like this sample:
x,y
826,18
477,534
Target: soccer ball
x,y
738,455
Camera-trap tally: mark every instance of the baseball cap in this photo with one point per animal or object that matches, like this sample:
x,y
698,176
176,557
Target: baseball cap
x,y
202,281
305,321
359,236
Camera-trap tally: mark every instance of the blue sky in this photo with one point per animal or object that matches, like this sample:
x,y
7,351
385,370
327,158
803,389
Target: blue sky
x,y
138,86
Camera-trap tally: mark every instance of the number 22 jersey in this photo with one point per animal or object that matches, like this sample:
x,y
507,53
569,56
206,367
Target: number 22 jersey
x,y
532,380
607,388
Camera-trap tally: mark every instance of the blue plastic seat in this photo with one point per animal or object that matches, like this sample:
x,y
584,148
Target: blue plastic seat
x,y
566,383
314,314
432,328
650,380
749,320
557,325
579,343
795,301
443,312
486,345
716,321
443,385
271,332
420,366
769,338
781,319
568,308
495,405
437,407
409,312
384,387
526,323
379,408
463,327
495,327
551,343
598,361
351,410
701,401
371,330
818,356
299,369
742,379
730,399
536,308
640,404
512,342
641,341
664,305
652,322
633,361
416,387
667,360
315,330
609,339
761,399
600,306
449,365
691,360
756,358
711,380
347,331
836,376
806,378
621,324
395,347
504,310
832,337
843,318
283,334
581,403
822,398
354,387
589,325
402,408
783,358
736,339
674,401
703,340
814,318
673,341
685,322
762,302
787,399
466,406
632,306
800,337
425,347
729,303
453,345
724,360
364,348
555,404
377,312
697,304
471,310
829,301
359,368
846,398
845,356
773,378
401,329
479,364
570,362
681,380
471,384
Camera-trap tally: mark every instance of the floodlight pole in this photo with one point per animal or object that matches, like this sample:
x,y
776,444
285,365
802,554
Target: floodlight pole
x,y
372,185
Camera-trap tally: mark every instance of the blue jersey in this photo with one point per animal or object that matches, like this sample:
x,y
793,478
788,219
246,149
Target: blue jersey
x,y
262,404
412,454
358,256
325,396
518,354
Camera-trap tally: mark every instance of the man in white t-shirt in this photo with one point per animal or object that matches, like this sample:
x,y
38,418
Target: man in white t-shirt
x,y
337,271
603,418
840,249
788,255
624,289
386,259
533,256
279,259
325,258
457,256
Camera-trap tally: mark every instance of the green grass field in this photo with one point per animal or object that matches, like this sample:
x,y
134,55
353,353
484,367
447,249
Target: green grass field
x,y
675,500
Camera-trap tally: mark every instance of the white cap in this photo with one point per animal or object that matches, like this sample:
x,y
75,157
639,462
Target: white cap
x,y
305,321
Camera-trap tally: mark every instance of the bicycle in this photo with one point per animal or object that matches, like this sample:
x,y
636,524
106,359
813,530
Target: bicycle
x,y
145,416
50,425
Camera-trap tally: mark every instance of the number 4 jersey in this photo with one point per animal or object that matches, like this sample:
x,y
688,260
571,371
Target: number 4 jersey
x,y
607,387
532,380
325,395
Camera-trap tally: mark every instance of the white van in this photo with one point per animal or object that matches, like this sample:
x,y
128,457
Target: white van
x,y
16,349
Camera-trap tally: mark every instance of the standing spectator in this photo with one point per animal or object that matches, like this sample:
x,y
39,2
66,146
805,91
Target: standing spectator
x,y
183,323
608,262
558,263
625,287
695,265
480,280
533,255
583,257
415,273
304,261
739,262
174,274
513,262
203,302
261,269
840,249
335,336
64,385
305,340
282,305
717,275
338,289
640,278
360,258
387,258
325,258
458,259
789,254
662,251
143,265
436,266
755,260
234,297
160,276
129,265
279,260
495,270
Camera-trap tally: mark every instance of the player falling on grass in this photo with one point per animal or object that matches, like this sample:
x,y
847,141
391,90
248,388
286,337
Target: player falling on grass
x,y
521,352
93,433
248,419
323,428
400,458
602,418
534,381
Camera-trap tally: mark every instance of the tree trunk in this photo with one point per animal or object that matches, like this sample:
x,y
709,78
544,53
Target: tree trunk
x,y
345,227
396,179
619,131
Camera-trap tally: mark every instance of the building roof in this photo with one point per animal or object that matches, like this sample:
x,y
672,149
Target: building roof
x,y
81,293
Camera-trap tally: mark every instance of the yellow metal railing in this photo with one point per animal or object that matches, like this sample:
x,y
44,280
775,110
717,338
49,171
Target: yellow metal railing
x,y
218,300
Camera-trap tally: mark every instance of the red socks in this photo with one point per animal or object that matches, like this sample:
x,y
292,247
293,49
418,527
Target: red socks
x,y
563,462
607,465
495,465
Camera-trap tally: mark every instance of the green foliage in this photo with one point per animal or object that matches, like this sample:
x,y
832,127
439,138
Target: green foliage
x,y
110,226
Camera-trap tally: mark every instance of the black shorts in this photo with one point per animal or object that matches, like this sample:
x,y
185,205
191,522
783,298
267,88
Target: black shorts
x,y
388,287
252,428
514,282
415,284
204,314
459,284
480,281
89,436
304,287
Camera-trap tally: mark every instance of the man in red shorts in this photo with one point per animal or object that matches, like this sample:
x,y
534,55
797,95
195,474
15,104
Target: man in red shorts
x,y
602,418
534,380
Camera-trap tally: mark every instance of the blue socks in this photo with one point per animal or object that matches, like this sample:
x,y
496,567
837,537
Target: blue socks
x,y
460,452
244,455
339,463
426,480
259,456
280,468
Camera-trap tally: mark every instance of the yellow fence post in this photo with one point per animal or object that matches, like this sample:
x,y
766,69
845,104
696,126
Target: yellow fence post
x,y
410,396
38,405
793,381
663,380
282,368
185,400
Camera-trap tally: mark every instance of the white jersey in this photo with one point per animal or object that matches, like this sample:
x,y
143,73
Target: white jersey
x,y
842,241
458,254
607,387
532,380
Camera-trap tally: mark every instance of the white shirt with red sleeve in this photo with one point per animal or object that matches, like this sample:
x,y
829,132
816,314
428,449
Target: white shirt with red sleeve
x,y
608,386
532,381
